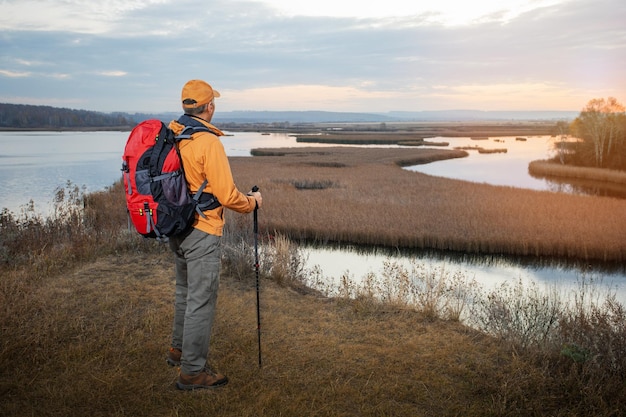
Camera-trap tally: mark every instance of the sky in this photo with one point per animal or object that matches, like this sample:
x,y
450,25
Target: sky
x,y
340,55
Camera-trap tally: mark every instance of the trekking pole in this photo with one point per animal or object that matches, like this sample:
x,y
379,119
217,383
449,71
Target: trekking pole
x,y
256,267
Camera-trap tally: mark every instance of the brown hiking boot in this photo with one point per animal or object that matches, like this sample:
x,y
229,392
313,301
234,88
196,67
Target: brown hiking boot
x,y
205,379
173,357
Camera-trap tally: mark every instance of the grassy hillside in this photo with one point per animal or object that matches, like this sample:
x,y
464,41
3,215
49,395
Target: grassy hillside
x,y
91,340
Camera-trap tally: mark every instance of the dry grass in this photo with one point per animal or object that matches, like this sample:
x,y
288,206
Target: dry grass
x,y
374,202
494,150
482,150
92,340
555,169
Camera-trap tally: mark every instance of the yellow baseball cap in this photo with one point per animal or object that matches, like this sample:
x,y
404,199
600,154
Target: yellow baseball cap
x,y
197,93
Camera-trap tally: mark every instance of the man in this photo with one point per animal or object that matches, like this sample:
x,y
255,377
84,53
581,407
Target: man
x,y
198,252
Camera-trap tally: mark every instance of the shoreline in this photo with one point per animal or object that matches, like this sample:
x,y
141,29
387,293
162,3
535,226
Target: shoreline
x,y
69,129
421,128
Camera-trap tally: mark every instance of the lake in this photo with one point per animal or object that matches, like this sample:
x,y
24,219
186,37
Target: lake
x,y
34,164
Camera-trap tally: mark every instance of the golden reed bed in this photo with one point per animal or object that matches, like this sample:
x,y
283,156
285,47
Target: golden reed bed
x,y
362,196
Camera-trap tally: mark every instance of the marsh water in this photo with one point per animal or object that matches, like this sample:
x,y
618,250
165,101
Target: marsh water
x,y
34,164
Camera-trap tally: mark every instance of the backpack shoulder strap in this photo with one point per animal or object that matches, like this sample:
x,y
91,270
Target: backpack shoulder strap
x,y
204,201
190,130
192,126
160,140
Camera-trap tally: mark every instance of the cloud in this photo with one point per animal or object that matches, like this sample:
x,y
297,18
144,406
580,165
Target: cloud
x,y
445,12
14,74
77,16
112,73
304,96
135,56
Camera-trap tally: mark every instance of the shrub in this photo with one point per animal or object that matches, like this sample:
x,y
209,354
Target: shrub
x,y
592,332
279,258
313,184
237,246
521,314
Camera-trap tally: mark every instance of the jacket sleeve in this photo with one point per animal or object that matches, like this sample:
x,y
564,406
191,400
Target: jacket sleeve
x,y
221,183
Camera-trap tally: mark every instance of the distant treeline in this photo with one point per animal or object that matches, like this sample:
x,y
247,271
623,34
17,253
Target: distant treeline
x,y
22,116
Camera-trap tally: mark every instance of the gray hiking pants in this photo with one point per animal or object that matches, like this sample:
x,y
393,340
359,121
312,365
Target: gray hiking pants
x,y
198,261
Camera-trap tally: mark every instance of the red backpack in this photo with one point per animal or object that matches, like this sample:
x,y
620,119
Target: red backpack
x,y
157,197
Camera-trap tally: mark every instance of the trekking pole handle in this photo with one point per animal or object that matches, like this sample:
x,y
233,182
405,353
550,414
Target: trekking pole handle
x,y
256,224
254,190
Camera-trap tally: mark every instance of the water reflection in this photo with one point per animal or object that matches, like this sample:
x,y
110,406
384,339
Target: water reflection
x,y
489,271
34,164
584,187
241,143
511,168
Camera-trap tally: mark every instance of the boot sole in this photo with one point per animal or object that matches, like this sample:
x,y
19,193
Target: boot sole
x,y
192,387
